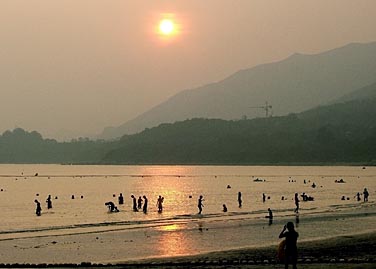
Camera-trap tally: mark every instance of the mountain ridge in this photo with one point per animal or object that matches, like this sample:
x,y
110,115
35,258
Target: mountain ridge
x,y
294,84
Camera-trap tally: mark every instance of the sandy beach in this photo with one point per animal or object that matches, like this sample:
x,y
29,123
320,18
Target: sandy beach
x,y
351,251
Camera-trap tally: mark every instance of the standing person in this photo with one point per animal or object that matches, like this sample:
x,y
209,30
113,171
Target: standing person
x,y
121,199
240,199
365,195
263,197
134,203
358,197
38,210
200,205
49,202
160,204
296,203
291,249
145,208
139,202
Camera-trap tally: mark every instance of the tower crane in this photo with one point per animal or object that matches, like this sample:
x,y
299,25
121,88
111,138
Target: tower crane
x,y
266,108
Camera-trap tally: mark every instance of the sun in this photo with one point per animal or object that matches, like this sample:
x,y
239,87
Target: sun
x,y
166,27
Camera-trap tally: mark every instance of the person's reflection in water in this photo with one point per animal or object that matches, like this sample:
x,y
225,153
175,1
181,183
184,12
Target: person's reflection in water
x,y
297,220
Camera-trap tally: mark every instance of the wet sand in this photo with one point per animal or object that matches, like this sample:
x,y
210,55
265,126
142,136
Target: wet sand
x,y
355,251
351,251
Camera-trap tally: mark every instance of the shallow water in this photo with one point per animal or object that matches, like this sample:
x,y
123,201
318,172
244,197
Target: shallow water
x,y
179,229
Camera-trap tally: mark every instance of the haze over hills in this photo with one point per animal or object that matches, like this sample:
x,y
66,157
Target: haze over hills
x,y
363,93
333,134
344,132
292,85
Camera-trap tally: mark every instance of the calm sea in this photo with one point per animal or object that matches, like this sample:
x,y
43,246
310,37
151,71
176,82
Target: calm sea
x,y
181,186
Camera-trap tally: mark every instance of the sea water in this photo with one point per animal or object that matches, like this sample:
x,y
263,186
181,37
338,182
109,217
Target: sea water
x,y
179,228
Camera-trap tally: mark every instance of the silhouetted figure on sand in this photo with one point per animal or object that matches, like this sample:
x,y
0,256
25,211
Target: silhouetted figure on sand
x,y
270,216
134,203
49,202
145,207
358,196
38,210
224,208
111,207
365,195
200,204
139,202
121,199
160,204
240,199
296,203
263,197
291,250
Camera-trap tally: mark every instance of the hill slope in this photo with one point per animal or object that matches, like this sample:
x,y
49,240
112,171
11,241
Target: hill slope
x,y
295,84
330,134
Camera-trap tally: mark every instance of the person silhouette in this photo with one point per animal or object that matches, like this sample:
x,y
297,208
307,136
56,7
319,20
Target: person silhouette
x,y
200,205
263,197
296,203
224,208
111,207
38,210
121,199
365,195
49,202
240,199
139,202
134,203
291,250
145,207
160,204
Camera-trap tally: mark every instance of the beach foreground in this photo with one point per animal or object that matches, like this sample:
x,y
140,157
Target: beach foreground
x,y
350,251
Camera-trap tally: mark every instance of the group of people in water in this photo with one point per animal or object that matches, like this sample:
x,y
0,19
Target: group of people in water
x,y
137,204
142,203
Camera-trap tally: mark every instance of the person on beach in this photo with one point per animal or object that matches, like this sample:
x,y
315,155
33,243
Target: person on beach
x,y
358,196
121,199
224,208
200,204
296,203
160,204
111,207
134,203
365,195
270,216
240,199
145,207
49,202
38,210
139,202
291,250
263,197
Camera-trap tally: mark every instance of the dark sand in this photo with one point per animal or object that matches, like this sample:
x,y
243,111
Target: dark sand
x,y
355,251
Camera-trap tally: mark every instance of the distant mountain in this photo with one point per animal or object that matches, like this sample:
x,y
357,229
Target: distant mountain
x,y
20,146
295,84
363,93
338,133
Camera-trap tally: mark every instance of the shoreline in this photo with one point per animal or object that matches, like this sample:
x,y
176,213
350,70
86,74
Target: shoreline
x,y
345,251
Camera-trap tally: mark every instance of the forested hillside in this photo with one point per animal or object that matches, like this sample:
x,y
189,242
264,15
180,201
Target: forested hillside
x,y
340,133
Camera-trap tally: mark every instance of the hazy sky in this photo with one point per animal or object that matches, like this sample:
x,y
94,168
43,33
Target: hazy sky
x,y
70,68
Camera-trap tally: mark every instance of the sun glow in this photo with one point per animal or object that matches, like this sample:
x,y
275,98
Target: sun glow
x,y
166,27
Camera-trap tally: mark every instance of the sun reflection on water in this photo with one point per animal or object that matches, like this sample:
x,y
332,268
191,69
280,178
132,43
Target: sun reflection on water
x,y
173,242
